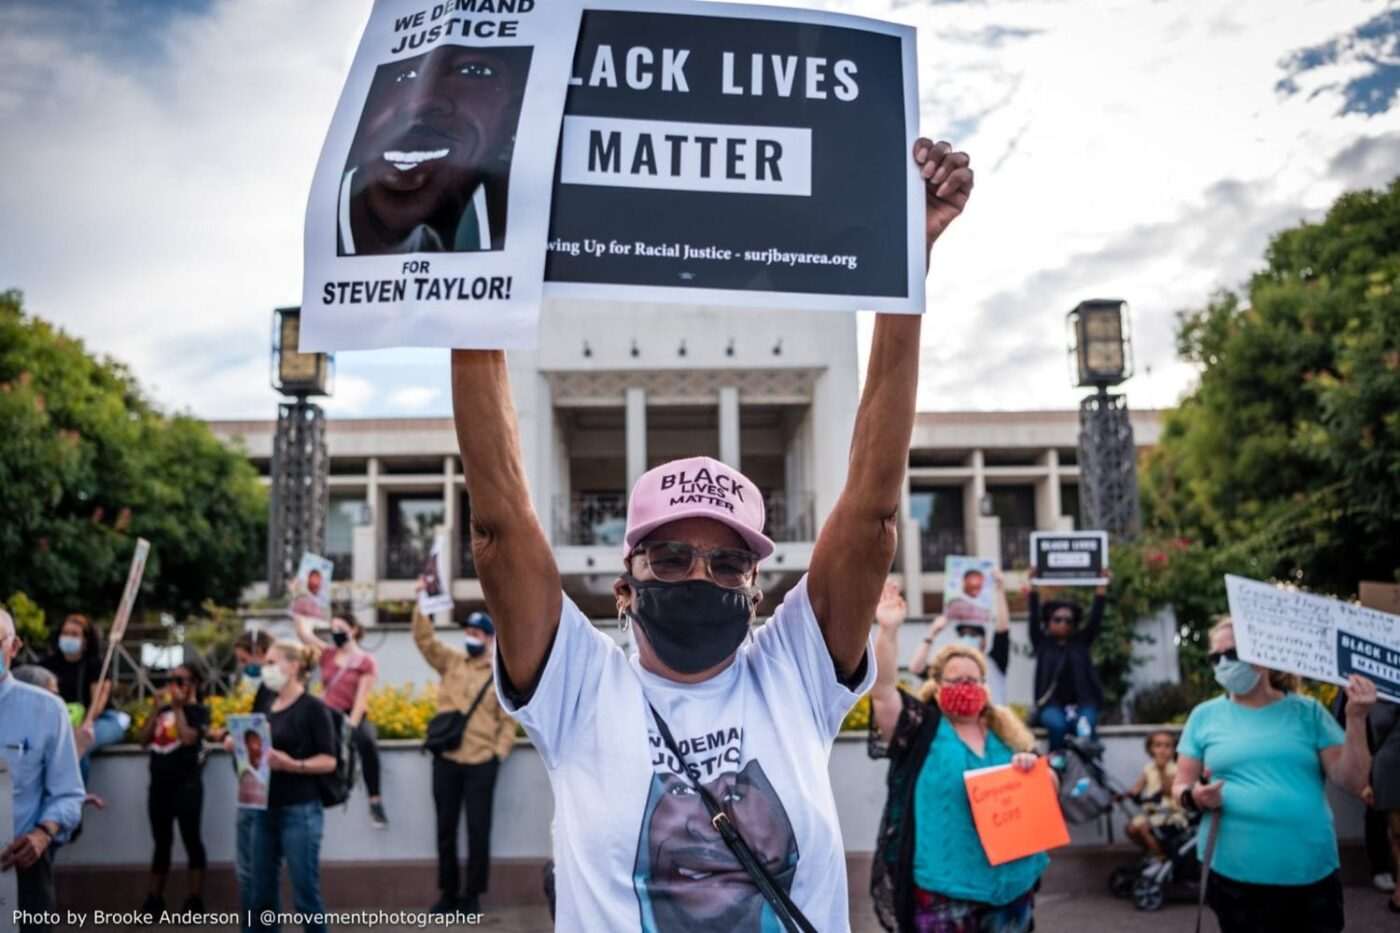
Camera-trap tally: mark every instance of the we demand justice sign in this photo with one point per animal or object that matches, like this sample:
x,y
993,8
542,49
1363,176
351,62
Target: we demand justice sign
x,y
738,155
706,153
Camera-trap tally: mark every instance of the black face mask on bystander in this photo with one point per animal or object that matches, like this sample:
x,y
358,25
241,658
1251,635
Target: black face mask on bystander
x,y
692,625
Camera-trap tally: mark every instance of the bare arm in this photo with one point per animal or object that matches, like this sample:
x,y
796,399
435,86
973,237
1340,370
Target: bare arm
x,y
1349,765
919,662
512,553
885,702
302,624
856,545
1188,775
361,704
432,650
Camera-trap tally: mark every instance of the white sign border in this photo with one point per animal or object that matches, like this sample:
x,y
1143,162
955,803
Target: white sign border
x,y
1076,581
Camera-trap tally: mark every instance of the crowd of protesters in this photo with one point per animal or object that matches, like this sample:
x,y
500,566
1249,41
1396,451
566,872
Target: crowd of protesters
x,y
724,841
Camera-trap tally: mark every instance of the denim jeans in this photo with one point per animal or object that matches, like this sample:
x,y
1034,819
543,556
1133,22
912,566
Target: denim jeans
x,y
249,822
292,833
1058,723
107,730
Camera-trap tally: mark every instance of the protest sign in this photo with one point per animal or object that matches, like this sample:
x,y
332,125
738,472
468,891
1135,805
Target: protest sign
x,y
434,597
311,590
252,745
969,590
1383,597
1069,558
739,155
1313,636
9,880
118,630
427,223
1017,813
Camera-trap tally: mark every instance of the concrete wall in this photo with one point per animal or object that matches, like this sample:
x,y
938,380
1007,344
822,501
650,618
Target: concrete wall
x,y
120,836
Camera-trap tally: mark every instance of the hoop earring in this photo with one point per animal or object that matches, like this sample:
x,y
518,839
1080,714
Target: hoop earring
x,y
624,621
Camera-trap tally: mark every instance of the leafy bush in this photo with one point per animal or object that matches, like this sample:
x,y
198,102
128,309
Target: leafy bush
x,y
29,620
858,719
1168,702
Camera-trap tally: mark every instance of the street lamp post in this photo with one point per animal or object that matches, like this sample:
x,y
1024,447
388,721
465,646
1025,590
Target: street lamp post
x,y
1101,346
300,463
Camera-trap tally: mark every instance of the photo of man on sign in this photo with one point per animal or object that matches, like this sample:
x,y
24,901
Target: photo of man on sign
x,y
430,163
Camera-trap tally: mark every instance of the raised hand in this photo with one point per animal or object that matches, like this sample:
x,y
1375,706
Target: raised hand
x,y
947,185
1361,696
891,610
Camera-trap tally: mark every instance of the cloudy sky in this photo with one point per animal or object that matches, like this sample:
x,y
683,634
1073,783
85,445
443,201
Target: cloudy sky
x,y
157,157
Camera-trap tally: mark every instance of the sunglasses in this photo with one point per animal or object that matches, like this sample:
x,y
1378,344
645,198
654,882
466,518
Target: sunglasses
x,y
962,682
180,681
1063,617
1215,657
673,561
969,630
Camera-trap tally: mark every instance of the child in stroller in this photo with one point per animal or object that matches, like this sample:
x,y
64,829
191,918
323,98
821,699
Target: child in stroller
x,y
1162,830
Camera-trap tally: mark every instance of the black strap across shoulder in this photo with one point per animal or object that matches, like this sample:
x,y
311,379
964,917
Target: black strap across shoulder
x,y
792,918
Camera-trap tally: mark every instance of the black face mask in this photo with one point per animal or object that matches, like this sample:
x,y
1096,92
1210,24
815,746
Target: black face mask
x,y
693,625
340,638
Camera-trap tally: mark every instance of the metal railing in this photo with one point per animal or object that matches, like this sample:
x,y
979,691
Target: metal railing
x,y
938,544
790,517
1015,547
590,519
404,559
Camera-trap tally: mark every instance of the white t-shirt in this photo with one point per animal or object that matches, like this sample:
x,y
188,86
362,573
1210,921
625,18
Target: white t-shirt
x,y
634,848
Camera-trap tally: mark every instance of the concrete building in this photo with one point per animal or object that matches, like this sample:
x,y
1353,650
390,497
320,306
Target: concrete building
x,y
613,391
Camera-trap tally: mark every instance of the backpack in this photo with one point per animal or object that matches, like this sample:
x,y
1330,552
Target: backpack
x,y
337,785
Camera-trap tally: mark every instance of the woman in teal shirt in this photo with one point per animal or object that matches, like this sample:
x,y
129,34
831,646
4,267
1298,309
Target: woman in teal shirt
x,y
930,874
1268,752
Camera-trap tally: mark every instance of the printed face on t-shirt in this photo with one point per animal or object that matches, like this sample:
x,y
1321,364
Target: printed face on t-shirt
x,y
686,877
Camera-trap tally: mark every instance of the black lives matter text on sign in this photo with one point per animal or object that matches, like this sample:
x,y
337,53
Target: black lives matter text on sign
x,y
738,155
1069,558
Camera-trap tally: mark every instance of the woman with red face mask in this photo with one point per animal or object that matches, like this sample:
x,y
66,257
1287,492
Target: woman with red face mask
x,y
930,873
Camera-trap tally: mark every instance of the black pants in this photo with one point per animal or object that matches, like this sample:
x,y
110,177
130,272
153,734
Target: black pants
x,y
36,892
475,786
1378,842
366,738
1274,908
169,802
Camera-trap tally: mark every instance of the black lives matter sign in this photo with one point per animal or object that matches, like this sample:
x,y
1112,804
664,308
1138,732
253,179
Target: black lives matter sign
x,y
752,158
1071,558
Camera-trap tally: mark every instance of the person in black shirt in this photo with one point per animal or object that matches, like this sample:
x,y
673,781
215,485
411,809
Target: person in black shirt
x,y
303,751
175,736
1067,686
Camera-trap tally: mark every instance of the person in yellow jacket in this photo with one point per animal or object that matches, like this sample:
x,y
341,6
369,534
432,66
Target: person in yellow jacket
x,y
466,775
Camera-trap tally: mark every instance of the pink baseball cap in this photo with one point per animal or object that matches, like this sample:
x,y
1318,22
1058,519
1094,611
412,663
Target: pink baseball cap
x,y
697,487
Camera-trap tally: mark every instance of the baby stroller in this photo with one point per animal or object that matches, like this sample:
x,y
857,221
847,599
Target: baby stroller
x,y
1150,881
1085,788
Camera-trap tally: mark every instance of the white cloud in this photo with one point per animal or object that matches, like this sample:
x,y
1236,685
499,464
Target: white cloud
x,y
153,197
414,398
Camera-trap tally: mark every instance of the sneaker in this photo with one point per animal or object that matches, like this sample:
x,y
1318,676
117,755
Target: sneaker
x,y
444,905
1385,881
194,904
154,905
377,816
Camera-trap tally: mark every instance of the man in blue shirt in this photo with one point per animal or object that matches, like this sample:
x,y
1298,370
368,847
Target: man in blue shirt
x,y
37,744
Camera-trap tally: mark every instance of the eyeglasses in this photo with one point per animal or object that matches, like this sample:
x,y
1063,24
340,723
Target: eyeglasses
x,y
673,561
1215,657
180,681
962,682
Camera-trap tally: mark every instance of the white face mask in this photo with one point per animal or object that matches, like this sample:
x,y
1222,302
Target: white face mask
x,y
273,677
971,641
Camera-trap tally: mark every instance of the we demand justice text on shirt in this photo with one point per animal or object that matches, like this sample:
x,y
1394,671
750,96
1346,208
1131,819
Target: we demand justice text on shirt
x,y
634,847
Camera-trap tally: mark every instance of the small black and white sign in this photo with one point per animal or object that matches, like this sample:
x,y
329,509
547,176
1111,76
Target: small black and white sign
x,y
1069,558
739,155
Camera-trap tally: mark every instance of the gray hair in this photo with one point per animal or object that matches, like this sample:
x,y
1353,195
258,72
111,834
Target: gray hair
x,y
37,676
7,624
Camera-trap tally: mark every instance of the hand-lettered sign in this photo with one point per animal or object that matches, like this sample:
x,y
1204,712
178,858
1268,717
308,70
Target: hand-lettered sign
x,y
1017,813
1314,636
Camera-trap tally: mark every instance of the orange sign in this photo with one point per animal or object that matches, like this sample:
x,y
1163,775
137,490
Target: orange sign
x,y
1017,813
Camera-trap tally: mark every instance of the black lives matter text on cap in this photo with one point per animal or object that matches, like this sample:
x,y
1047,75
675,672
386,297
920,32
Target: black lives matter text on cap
x,y
702,488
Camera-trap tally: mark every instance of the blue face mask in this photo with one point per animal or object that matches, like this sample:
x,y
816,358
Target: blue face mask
x,y
971,641
70,644
252,671
1236,677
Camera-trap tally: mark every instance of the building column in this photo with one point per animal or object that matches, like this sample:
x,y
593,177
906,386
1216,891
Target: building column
x,y
1047,498
911,543
379,517
729,426
636,434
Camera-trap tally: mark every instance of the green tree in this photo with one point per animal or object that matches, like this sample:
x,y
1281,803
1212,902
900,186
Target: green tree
x,y
88,465
1284,461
